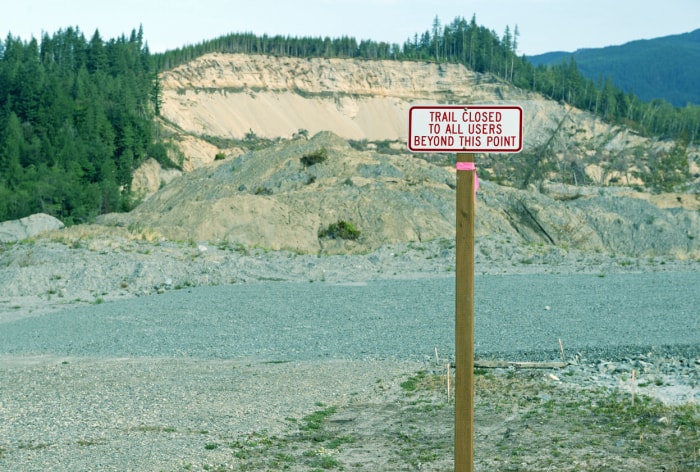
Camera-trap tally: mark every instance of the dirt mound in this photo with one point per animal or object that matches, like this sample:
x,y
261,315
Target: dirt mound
x,y
287,196
276,198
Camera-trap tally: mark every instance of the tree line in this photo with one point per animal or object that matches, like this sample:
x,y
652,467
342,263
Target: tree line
x,y
481,50
77,115
75,121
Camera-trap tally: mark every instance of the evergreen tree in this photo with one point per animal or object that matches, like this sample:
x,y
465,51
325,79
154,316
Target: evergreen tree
x,y
74,123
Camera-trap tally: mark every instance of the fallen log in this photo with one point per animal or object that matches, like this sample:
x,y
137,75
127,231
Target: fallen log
x,y
519,365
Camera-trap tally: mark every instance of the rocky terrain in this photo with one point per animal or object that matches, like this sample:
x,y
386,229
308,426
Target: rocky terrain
x,y
185,412
284,187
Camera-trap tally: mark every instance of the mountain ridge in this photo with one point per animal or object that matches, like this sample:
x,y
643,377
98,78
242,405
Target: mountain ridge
x,y
658,68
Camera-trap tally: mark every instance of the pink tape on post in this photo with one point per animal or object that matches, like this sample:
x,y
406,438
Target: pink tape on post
x,y
470,166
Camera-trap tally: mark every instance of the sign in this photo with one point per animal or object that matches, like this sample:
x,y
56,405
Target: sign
x,y
465,128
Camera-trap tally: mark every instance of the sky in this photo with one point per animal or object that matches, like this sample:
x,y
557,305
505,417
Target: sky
x,y
544,25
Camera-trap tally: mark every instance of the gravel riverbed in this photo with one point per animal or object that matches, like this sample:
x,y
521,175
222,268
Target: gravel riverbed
x,y
128,355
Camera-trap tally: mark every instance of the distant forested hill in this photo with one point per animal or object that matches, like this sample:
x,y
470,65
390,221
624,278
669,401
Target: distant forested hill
x,y
667,67
76,119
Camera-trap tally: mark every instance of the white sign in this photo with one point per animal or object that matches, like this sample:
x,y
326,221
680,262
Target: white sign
x,y
465,128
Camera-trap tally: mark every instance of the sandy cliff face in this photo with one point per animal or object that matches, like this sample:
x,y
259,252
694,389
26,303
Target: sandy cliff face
x,y
231,95
228,96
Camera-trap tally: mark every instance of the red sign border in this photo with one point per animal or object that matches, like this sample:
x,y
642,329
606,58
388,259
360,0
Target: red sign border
x,y
462,107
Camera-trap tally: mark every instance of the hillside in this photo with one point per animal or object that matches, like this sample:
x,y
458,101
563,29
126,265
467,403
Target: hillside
x,y
82,121
225,103
271,199
354,114
667,68
230,97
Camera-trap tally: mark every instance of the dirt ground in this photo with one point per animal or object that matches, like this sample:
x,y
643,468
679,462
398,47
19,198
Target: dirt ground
x,y
525,420
177,415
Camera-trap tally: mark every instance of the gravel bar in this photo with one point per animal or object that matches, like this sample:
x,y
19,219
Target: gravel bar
x,y
519,317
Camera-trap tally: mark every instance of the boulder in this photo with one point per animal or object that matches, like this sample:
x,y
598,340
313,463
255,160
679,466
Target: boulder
x,y
17,230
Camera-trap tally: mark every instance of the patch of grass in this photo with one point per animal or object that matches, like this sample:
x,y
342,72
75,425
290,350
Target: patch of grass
x,y
90,442
411,385
340,230
312,445
423,381
235,247
315,420
322,459
417,448
32,446
271,279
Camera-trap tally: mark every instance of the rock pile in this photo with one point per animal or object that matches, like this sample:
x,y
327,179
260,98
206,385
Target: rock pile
x,y
28,227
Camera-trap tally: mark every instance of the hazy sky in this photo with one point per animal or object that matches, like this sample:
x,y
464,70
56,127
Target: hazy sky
x,y
544,25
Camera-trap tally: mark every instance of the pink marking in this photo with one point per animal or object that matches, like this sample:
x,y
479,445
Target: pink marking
x,y
470,166
466,166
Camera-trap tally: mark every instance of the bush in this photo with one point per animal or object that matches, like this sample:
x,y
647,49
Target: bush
x,y
301,133
340,230
315,157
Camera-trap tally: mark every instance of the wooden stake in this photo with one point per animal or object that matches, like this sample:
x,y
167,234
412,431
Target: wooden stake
x,y
448,383
561,348
464,320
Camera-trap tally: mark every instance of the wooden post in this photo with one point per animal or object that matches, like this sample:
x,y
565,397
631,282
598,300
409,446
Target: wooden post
x,y
464,319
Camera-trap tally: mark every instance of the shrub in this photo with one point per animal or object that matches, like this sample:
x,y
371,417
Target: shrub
x,y
315,157
301,133
340,230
